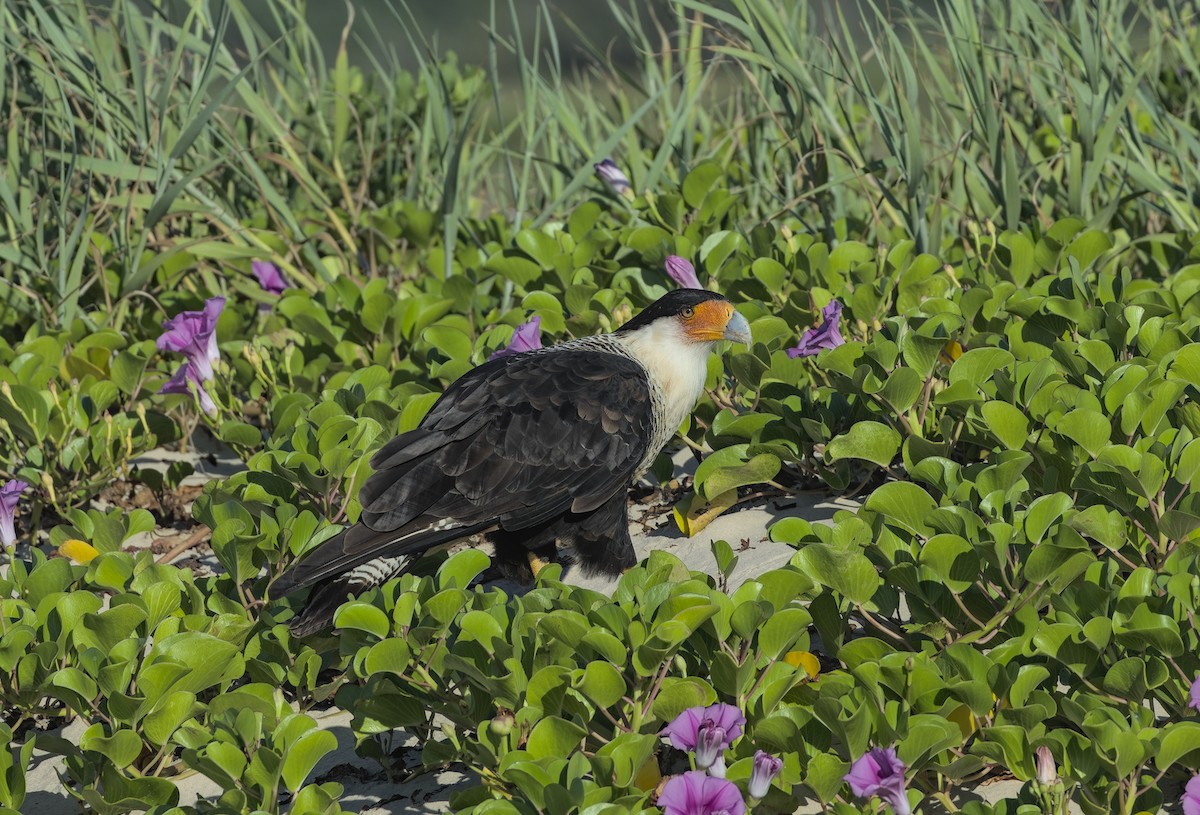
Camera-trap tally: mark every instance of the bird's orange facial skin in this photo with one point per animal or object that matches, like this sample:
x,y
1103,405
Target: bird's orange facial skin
x,y
707,321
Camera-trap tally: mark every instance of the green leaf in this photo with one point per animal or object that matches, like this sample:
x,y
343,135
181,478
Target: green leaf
x,y
902,388
121,748
781,630
977,365
461,568
953,560
870,441
1087,428
725,470
602,683
844,569
303,754
825,775
209,661
240,434
921,353
167,716
1007,423
388,656
1180,741
1145,630
554,737
1057,565
538,245
27,411
363,617
903,504
1178,525
678,694
699,181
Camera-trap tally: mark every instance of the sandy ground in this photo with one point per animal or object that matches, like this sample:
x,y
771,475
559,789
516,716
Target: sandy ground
x,y
368,790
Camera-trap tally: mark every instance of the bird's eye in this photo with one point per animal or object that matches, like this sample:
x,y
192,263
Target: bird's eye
x,y
688,312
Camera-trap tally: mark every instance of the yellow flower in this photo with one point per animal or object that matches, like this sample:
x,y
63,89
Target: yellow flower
x,y
78,551
951,352
649,776
805,660
965,720
693,513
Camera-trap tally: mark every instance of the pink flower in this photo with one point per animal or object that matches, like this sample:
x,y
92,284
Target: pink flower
x,y
10,497
1194,701
695,793
682,272
766,767
269,276
187,380
823,337
526,337
684,730
880,772
1191,797
194,334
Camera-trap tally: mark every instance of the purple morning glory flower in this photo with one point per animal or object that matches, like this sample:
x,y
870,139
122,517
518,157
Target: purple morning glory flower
x,y
823,337
10,496
766,767
1191,797
684,730
608,172
526,337
269,276
1194,701
194,334
186,380
880,772
695,793
682,272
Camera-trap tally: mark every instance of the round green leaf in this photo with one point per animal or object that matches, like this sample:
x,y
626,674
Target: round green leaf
x,y
1006,423
870,441
553,737
602,683
364,617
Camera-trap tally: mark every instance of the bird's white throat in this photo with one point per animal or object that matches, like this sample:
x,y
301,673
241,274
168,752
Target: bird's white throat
x,y
676,363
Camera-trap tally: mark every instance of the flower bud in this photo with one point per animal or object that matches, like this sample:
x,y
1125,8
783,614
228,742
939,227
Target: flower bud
x,y
1047,772
502,723
608,172
766,767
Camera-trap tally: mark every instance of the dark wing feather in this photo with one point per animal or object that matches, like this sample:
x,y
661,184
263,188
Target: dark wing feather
x,y
514,443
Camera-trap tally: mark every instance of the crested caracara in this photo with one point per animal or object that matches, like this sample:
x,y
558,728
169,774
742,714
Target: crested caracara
x,y
536,449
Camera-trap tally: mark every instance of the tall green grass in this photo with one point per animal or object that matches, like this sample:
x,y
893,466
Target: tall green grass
x,y
143,148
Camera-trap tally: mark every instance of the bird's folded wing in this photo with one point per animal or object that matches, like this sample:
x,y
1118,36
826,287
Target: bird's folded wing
x,y
517,442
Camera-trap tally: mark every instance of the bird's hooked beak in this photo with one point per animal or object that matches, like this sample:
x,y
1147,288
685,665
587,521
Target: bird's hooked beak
x,y
737,329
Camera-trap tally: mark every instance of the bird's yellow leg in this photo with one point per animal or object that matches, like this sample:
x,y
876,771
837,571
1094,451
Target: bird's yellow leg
x,y
536,564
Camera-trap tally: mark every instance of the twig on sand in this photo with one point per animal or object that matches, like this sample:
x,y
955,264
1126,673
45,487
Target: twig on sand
x,y
198,534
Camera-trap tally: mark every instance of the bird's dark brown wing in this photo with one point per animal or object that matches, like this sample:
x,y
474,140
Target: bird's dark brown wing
x,y
514,443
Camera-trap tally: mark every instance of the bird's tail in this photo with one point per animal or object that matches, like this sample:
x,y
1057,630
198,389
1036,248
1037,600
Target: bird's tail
x,y
358,559
325,599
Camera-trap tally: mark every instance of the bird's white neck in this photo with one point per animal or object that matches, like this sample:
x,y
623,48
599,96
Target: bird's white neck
x,y
676,364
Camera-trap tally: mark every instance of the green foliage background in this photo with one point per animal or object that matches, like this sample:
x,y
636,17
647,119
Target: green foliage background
x,y
1016,178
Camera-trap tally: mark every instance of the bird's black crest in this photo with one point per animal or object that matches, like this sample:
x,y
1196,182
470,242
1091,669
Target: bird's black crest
x,y
669,305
